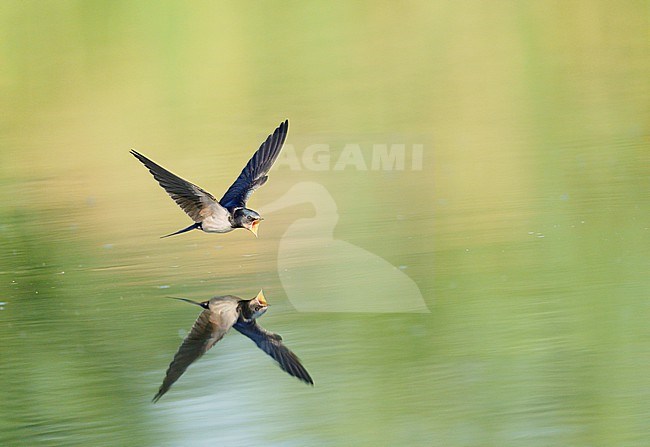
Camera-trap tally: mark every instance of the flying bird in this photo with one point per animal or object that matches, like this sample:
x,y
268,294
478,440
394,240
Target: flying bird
x,y
219,315
230,212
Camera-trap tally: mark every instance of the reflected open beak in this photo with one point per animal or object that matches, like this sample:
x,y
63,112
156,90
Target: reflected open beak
x,y
260,298
253,228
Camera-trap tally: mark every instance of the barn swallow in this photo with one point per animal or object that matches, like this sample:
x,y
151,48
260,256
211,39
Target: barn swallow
x,y
230,212
219,315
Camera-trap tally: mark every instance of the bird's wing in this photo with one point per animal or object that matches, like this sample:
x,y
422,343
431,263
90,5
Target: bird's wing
x,y
254,173
208,329
195,201
272,344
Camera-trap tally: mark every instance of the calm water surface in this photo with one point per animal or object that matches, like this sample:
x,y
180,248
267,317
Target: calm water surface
x,y
496,295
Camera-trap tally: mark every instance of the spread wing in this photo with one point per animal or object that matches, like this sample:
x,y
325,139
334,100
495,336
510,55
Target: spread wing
x,y
254,174
272,344
195,201
208,329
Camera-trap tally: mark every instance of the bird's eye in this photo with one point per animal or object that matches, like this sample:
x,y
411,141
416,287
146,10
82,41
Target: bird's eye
x,y
251,218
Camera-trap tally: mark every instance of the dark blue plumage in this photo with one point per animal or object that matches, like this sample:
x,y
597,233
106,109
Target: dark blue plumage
x,y
254,173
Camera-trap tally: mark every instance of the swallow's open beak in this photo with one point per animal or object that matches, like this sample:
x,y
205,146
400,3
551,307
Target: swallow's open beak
x,y
253,228
260,298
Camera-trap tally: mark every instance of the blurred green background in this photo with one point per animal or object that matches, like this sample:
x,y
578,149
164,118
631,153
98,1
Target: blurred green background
x,y
526,230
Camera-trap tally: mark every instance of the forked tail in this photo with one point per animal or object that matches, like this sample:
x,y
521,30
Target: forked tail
x,y
191,227
203,304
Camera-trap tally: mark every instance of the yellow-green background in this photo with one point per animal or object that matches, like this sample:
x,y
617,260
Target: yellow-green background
x,y
527,230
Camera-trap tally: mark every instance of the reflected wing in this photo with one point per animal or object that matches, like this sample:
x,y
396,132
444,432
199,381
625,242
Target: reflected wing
x,y
195,201
208,329
254,174
272,344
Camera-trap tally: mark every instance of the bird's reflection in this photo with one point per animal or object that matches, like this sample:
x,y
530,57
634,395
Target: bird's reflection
x,y
220,314
347,278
